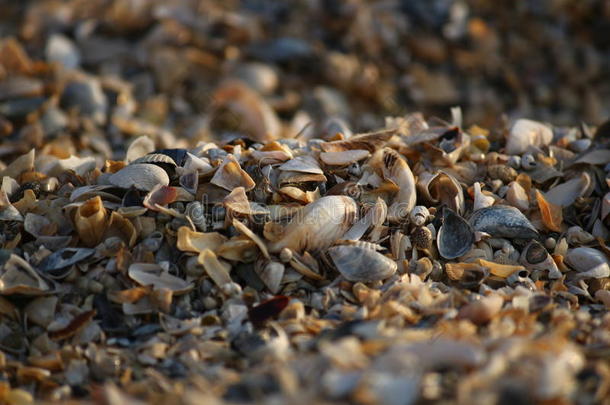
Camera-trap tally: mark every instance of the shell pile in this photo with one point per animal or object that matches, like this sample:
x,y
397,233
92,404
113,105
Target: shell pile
x,y
159,246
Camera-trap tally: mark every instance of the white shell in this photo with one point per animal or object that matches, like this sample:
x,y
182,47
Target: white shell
x,y
141,176
589,262
525,133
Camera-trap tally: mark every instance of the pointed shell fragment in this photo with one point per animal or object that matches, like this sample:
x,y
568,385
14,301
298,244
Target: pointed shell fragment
x,y
357,263
141,176
503,221
230,175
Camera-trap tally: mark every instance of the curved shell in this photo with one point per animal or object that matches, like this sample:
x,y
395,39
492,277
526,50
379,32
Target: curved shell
x,y
396,169
358,263
503,221
443,188
455,237
536,257
525,133
141,176
589,262
154,158
318,225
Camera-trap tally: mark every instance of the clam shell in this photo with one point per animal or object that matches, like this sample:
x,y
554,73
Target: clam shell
x,y
589,262
455,237
525,133
141,146
302,164
318,225
141,176
396,169
357,263
156,158
503,221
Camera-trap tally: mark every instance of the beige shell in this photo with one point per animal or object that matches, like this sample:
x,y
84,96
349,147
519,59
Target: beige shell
x,y
318,225
374,217
230,175
191,241
442,187
141,176
302,164
525,133
91,221
216,269
483,310
357,263
151,274
343,158
517,196
18,277
566,193
481,200
141,146
535,257
396,169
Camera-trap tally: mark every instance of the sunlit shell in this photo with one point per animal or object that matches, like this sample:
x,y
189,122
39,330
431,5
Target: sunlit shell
x,y
141,176
503,221
374,217
141,146
151,274
370,142
344,157
442,188
525,133
303,164
455,237
517,197
216,269
481,200
155,158
395,168
589,262
566,193
318,225
91,221
358,263
191,241
230,175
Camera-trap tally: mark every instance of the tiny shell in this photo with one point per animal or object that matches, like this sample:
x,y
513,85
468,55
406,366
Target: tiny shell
x,y
141,176
358,263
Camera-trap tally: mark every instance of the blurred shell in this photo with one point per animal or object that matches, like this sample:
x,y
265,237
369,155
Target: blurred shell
x,y
271,274
230,175
344,157
141,146
216,269
589,262
525,133
371,142
63,259
18,277
357,263
318,225
156,158
503,221
151,274
517,196
483,310
566,193
141,176
455,237
575,235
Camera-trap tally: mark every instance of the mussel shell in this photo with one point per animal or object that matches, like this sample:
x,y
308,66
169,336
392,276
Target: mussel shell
x,y
503,221
178,155
455,237
535,253
358,263
57,264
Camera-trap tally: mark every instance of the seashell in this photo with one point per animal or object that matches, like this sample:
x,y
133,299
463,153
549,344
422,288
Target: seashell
x,y
374,217
230,175
41,311
196,214
503,221
272,153
481,200
482,311
575,235
318,225
504,173
528,162
371,142
422,238
302,164
216,269
525,133
21,164
357,263
122,228
10,213
517,196
251,235
589,262
396,169
140,176
151,274
271,273
18,277
239,249
55,263
155,158
552,215
141,146
419,215
566,193
442,188
455,237
91,221
160,196
344,158
466,272
191,241
535,257
422,267
261,77
595,157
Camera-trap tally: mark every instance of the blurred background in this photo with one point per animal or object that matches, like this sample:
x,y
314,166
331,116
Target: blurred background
x,y
173,64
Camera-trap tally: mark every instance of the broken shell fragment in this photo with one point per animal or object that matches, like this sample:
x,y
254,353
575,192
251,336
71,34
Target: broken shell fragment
x,y
141,176
343,158
525,133
91,221
357,263
536,258
63,259
230,175
503,221
589,262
